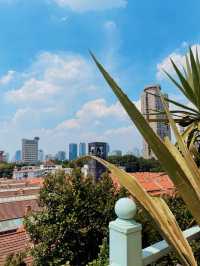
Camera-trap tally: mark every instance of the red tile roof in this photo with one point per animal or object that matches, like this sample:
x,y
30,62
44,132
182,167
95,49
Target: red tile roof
x,y
13,183
14,242
18,192
17,209
36,181
154,183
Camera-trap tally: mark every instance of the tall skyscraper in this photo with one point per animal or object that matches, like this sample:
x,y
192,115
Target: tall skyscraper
x,y
107,148
73,151
6,157
30,150
61,156
2,156
82,149
18,156
98,149
151,103
40,155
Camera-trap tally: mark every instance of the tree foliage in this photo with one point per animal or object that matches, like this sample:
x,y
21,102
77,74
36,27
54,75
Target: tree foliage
x,y
16,259
136,164
74,220
6,170
150,235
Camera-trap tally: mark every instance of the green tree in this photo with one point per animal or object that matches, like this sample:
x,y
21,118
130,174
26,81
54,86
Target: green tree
x,y
74,220
6,170
15,259
102,259
136,164
150,235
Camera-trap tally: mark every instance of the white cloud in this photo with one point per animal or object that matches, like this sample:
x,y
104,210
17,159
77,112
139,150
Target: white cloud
x,y
91,5
96,120
53,75
95,113
177,57
7,78
33,90
47,95
90,114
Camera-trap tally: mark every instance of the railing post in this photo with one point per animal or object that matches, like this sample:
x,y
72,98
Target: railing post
x,y
125,236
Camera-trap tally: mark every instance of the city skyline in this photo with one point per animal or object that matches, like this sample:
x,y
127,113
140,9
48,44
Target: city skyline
x,y
82,150
49,86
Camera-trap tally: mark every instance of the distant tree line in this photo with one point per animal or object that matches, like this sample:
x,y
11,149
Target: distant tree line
x,y
6,170
132,163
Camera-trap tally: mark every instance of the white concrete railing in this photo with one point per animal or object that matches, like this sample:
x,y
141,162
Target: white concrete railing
x,y
126,239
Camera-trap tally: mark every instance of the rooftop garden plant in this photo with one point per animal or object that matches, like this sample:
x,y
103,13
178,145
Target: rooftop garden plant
x,y
179,160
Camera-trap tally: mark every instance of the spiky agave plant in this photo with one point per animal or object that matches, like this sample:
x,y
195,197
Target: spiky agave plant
x,y
187,116
176,160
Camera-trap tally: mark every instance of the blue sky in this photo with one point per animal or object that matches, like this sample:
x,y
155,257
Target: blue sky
x,y
49,85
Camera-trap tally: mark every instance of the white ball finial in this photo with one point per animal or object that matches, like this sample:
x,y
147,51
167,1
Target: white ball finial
x,y
125,208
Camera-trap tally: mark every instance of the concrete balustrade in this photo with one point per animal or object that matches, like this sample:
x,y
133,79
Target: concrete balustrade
x,y
125,247
125,236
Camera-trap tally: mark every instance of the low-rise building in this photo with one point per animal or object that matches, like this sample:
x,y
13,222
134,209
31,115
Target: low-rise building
x,y
28,172
50,168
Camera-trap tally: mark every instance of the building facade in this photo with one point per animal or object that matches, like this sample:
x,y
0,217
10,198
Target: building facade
x,y
61,156
30,150
150,104
82,149
40,155
2,156
18,156
99,149
73,151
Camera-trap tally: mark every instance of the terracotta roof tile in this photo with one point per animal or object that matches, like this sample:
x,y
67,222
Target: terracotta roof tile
x,y
19,191
16,209
154,183
13,183
14,242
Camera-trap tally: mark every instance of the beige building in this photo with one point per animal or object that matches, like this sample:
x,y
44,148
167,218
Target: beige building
x,y
30,150
150,103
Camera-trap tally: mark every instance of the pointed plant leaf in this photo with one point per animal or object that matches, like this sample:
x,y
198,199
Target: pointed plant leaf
x,y
189,72
196,81
157,209
166,158
195,178
178,104
186,88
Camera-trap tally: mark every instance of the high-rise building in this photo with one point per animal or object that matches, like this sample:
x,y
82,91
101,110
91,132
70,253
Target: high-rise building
x,y
98,149
73,151
61,156
49,157
2,156
40,155
6,157
82,149
150,104
18,156
30,150
107,148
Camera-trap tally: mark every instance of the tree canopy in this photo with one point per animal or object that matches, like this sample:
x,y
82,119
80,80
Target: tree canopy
x,y
74,219
136,164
